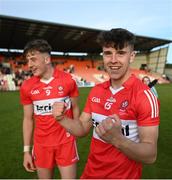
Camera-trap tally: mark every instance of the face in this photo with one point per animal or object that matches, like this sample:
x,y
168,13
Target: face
x,y
146,80
37,62
116,63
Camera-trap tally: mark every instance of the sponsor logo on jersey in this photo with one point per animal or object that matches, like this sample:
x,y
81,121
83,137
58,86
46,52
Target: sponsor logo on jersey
x,y
95,123
48,90
95,99
111,99
109,103
44,107
48,87
129,127
34,92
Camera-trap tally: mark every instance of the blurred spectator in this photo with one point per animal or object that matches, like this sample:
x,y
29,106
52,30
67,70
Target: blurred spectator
x,y
3,82
164,76
146,80
71,68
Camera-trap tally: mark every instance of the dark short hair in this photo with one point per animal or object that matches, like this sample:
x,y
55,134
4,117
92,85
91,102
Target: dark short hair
x,y
117,38
40,45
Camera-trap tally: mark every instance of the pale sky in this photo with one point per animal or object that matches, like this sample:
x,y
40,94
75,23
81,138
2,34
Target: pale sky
x,y
143,17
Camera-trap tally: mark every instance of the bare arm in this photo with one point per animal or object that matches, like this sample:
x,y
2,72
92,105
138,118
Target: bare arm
x,y
27,136
78,127
27,124
144,151
75,108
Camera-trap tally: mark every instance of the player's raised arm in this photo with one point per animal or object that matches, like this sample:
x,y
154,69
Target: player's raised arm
x,y
78,127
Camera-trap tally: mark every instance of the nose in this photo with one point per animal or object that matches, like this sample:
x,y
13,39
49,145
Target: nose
x,y
30,64
114,58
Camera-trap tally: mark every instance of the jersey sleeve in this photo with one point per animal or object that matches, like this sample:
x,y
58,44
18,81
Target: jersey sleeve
x,y
24,95
147,108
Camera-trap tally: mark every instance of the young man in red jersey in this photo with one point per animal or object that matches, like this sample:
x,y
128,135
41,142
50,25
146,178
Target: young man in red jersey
x,y
53,145
123,111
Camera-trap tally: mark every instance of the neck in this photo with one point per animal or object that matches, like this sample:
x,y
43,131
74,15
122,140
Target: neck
x,y
117,83
48,74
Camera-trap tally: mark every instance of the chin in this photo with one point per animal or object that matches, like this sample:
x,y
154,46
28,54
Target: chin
x,y
36,74
114,75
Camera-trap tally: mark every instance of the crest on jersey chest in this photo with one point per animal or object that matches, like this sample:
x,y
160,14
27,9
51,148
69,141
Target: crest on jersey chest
x,y
124,105
60,89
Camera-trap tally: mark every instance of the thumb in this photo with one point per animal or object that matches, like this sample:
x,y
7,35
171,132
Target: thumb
x,y
114,118
32,166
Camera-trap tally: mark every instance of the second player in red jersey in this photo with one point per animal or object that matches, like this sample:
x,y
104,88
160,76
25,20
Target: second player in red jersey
x,y
53,145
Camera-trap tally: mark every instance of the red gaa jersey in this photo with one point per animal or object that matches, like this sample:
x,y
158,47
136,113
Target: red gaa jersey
x,y
136,106
48,132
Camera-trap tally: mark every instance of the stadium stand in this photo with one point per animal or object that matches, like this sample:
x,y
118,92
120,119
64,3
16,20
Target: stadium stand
x,y
87,70
14,70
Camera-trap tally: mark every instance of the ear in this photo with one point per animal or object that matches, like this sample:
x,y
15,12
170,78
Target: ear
x,y
47,60
132,57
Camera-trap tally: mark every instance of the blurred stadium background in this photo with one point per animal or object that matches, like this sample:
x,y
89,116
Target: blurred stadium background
x,y
75,51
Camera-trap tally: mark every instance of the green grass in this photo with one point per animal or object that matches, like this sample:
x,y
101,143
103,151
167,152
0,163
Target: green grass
x,y
11,156
162,169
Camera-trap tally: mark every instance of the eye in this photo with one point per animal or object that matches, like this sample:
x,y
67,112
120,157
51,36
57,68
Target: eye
x,y
107,53
121,52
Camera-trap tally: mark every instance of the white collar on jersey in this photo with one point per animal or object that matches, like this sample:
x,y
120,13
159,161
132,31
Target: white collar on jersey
x,y
47,81
114,91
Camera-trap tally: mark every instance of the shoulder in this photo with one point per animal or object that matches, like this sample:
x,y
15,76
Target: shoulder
x,y
28,84
137,85
62,75
99,88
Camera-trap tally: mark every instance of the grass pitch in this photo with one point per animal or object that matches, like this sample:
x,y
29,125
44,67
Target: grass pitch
x,y
11,155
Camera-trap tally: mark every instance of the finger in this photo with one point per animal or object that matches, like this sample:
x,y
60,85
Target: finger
x,y
107,124
100,130
28,168
58,104
58,108
97,131
115,119
65,107
32,167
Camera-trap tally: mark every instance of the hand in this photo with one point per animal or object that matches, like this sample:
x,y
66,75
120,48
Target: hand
x,y
28,162
58,110
110,130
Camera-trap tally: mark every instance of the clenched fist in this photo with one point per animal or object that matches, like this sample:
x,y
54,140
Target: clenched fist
x,y
58,110
110,129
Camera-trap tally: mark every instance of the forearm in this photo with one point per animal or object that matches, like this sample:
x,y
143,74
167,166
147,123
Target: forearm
x,y
74,126
27,132
144,152
76,112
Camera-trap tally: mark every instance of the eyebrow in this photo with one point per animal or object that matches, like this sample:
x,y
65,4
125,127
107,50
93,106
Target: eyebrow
x,y
107,51
117,51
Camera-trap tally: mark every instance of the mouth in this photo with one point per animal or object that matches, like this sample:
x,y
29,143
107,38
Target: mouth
x,y
33,70
114,68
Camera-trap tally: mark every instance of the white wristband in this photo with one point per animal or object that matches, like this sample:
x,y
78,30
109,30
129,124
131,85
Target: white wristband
x,y
26,149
